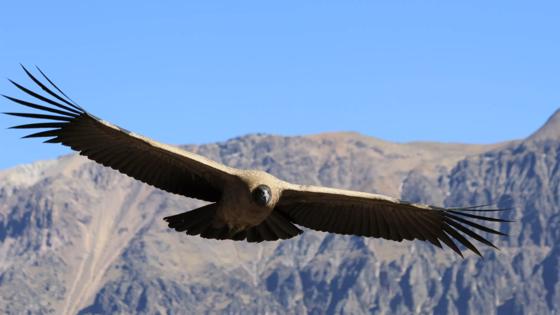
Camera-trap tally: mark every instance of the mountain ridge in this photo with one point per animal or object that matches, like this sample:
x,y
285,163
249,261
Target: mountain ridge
x,y
549,131
80,238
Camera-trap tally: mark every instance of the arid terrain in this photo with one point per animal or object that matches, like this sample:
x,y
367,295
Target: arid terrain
x,y
76,237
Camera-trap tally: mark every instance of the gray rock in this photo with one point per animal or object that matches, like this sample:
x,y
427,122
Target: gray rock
x,y
79,238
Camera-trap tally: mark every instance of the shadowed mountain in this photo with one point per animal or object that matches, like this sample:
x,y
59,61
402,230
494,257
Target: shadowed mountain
x,y
79,238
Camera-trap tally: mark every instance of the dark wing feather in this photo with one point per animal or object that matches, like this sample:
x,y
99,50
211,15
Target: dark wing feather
x,y
356,213
61,120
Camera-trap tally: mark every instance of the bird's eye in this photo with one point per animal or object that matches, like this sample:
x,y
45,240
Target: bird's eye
x,y
262,195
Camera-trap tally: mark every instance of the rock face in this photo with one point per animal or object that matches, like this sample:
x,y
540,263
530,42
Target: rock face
x,y
79,238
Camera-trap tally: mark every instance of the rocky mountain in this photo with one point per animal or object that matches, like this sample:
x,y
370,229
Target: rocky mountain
x,y
77,238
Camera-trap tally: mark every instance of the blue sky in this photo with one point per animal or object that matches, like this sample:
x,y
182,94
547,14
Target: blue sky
x,y
204,71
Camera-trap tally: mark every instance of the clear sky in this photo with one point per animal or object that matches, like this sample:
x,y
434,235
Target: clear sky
x,y
204,71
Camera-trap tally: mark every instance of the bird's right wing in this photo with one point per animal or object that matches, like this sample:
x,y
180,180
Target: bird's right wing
x,y
166,167
352,212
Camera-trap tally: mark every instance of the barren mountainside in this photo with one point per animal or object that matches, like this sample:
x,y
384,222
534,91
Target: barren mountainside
x,y
78,238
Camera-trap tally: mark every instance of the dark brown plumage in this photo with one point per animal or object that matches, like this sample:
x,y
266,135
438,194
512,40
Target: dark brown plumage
x,y
244,204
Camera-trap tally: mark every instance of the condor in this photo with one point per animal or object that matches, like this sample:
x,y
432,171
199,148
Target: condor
x,y
249,205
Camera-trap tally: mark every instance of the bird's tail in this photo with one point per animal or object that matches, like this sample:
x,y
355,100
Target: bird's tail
x,y
201,222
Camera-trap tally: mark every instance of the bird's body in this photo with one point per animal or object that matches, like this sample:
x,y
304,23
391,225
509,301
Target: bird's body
x,y
237,209
249,205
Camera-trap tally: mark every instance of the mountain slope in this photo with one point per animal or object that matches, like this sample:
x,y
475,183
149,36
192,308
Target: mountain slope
x,y
79,238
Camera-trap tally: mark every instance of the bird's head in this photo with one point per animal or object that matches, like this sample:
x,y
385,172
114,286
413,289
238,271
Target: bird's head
x,y
262,195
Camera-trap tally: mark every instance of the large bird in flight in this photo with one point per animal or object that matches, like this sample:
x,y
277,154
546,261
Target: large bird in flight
x,y
247,205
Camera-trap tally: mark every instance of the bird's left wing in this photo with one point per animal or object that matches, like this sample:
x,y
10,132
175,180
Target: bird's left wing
x,y
163,166
351,212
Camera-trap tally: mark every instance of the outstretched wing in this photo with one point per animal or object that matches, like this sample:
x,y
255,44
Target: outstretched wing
x,y
166,167
350,212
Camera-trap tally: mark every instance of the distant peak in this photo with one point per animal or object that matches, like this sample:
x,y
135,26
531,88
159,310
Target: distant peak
x,y
550,130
